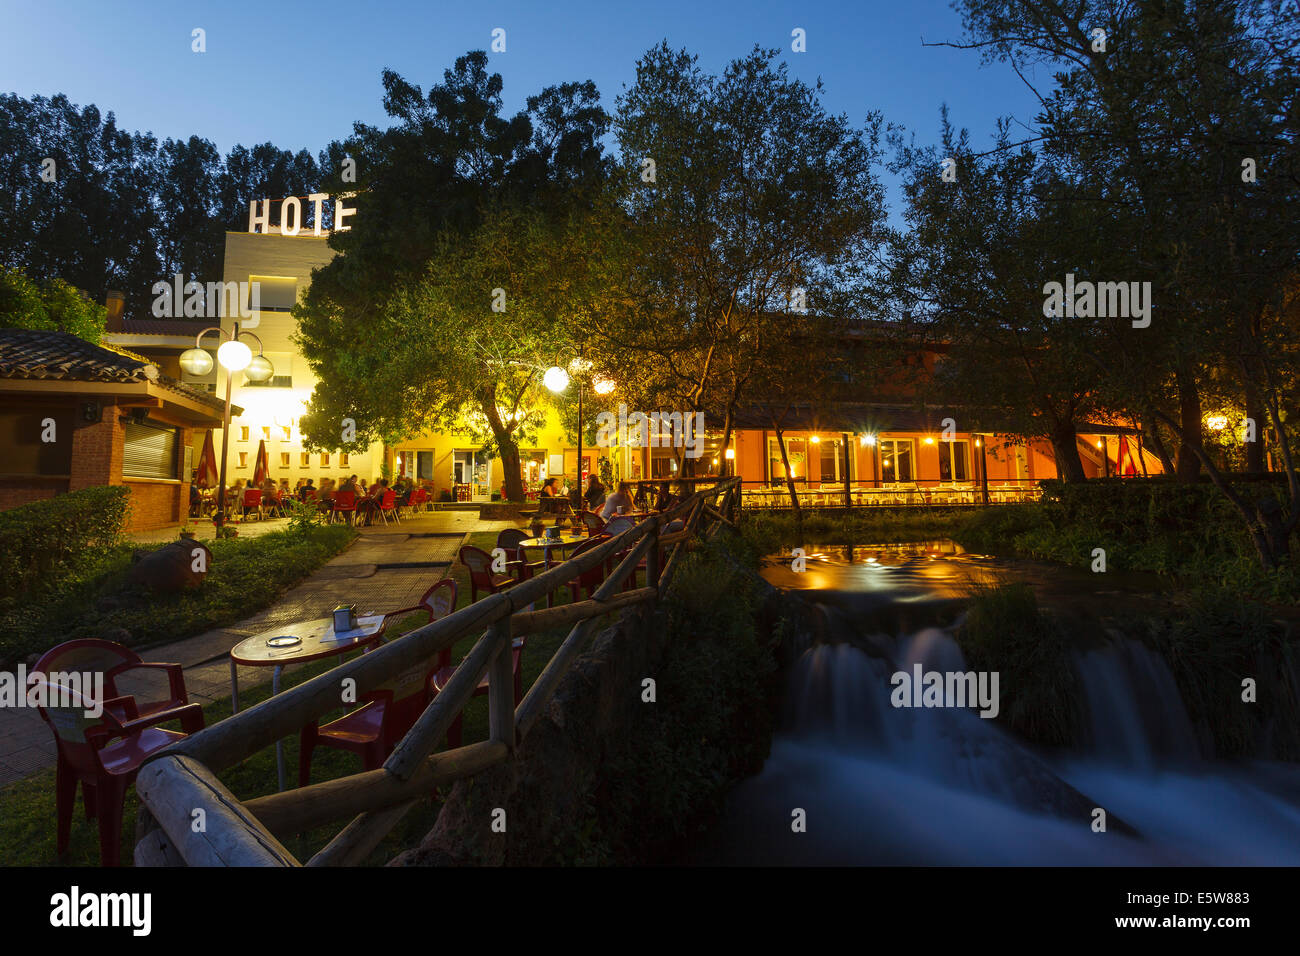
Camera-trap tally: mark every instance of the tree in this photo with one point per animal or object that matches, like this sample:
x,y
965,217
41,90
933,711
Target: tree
x,y
1151,131
745,199
465,274
52,305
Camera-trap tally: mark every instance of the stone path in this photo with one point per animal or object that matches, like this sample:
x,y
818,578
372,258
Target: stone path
x,y
369,574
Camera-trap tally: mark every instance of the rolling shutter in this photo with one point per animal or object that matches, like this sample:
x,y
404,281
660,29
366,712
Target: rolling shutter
x,y
149,452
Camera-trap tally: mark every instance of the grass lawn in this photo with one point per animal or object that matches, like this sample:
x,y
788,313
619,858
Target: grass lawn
x,y
246,575
27,836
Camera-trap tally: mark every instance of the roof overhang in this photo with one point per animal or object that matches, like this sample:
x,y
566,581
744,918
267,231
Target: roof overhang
x,y
139,394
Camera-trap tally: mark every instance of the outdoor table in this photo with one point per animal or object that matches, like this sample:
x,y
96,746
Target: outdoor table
x,y
317,640
559,541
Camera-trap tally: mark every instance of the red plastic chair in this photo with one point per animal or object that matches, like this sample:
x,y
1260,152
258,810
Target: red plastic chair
x,y
438,680
592,579
481,575
113,661
508,541
253,501
101,753
345,506
388,712
387,506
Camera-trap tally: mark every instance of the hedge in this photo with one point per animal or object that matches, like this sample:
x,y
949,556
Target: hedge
x,y
45,542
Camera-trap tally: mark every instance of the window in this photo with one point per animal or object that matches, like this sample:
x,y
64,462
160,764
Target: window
x,y
343,460
832,460
286,434
284,459
243,459
896,460
304,460
424,464
325,459
243,433
275,293
22,448
796,450
149,451
954,461
266,432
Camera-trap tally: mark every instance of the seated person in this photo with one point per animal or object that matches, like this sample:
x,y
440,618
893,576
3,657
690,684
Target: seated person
x,y
595,493
664,498
641,500
546,497
619,502
307,491
370,506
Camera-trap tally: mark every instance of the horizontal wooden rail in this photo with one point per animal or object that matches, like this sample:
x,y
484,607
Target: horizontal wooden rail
x,y
182,777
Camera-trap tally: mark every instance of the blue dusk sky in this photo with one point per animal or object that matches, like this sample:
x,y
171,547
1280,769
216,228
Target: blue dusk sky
x,y
298,74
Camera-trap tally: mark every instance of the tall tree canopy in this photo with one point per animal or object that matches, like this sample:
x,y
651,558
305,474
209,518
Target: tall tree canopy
x,y
466,273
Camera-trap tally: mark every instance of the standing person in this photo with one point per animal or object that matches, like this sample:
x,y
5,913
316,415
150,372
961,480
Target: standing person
x,y
619,502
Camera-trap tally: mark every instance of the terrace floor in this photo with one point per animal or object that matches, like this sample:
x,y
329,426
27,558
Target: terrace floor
x,y
384,569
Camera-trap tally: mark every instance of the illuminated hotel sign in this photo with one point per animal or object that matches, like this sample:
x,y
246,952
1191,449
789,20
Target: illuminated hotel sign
x,y
291,218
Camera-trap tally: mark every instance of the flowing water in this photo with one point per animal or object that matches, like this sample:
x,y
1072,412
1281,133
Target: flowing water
x,y
875,783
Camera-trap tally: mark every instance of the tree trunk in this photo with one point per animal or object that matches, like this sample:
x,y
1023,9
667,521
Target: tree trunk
x,y
1188,466
1065,445
1255,412
789,481
1151,434
506,445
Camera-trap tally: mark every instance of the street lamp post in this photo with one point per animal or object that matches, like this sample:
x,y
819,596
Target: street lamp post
x,y
557,380
234,356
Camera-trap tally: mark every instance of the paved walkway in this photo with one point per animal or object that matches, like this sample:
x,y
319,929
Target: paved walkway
x,y
384,569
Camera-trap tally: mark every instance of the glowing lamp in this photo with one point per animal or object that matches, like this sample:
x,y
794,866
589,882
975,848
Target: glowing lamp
x,y
602,386
731,454
259,369
869,440
556,379
196,361
1217,422
234,356
816,439
929,440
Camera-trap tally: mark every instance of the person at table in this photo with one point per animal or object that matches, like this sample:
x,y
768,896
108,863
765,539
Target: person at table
x,y
327,490
664,499
595,493
307,491
370,506
641,500
351,485
546,496
619,502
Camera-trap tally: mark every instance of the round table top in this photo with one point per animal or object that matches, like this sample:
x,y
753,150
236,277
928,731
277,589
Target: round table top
x,y
561,541
317,640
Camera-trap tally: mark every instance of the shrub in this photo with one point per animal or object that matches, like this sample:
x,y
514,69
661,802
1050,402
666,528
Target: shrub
x,y
1005,631
46,542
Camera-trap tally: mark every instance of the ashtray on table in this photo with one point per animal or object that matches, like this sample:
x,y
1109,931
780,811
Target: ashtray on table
x,y
284,640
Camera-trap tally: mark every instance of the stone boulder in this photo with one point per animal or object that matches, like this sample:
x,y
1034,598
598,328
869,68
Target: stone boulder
x,y
176,566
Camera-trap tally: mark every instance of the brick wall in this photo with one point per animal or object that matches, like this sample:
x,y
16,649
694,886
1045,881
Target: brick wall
x,y
97,450
19,491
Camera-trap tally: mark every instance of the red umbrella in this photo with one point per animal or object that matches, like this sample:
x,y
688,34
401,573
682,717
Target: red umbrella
x,y
206,476
263,467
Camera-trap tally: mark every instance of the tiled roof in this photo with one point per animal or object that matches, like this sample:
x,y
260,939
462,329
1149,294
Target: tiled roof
x,y
189,327
26,353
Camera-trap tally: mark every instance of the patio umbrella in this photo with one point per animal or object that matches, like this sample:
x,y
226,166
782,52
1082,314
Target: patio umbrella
x,y
206,476
263,467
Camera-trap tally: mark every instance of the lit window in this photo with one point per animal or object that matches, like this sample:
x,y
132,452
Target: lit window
x,y
243,459
284,429
266,432
343,459
243,433
304,460
325,460
284,459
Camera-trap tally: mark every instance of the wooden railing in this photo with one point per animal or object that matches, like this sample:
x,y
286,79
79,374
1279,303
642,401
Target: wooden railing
x,y
182,779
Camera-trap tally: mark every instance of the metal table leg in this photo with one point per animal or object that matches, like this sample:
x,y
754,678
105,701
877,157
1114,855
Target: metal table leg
x,y
234,687
279,744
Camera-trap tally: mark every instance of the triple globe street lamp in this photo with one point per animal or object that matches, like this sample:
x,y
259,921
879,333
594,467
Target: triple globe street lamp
x,y
557,380
234,356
